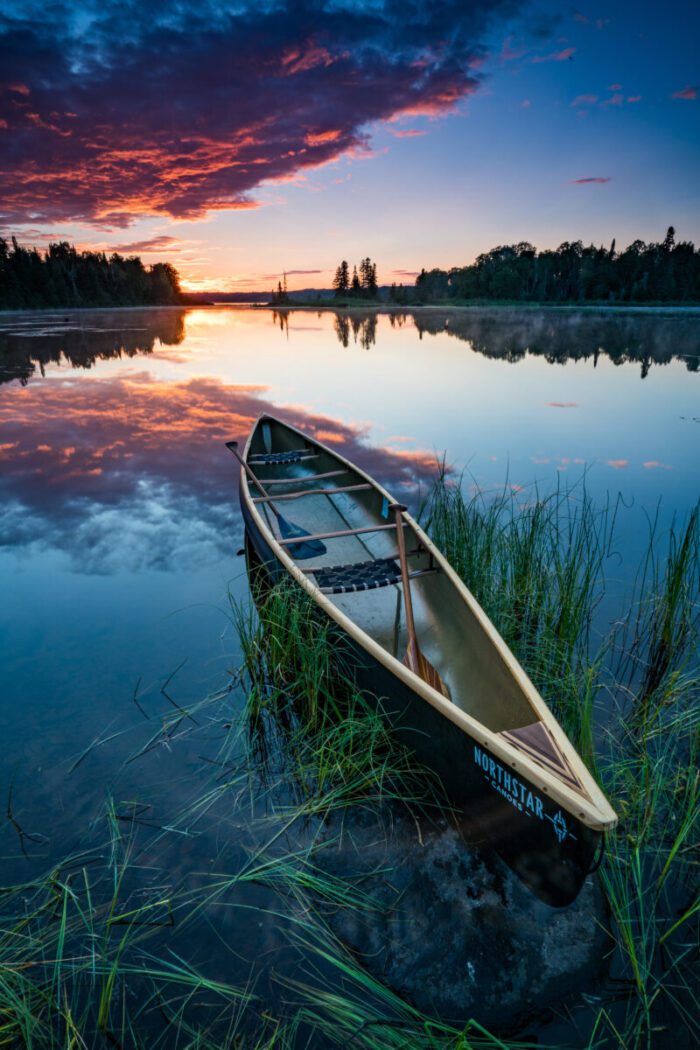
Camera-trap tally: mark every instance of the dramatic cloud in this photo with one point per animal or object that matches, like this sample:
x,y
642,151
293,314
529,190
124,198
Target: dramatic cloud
x,y
116,112
687,92
592,178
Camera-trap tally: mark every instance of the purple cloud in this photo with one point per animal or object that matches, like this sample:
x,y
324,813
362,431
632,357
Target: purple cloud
x,y
688,92
556,56
162,243
180,109
591,178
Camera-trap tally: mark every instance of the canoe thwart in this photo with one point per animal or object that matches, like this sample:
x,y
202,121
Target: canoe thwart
x,y
302,480
343,532
311,492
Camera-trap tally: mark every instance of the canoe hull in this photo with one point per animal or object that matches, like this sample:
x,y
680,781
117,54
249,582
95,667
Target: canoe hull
x,y
550,850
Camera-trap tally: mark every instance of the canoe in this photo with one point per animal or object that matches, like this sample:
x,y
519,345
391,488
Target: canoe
x,y
479,722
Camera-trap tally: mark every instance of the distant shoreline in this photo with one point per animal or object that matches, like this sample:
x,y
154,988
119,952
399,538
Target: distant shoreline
x,y
404,308
328,306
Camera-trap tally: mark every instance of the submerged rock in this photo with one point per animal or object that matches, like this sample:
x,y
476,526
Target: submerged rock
x,y
458,935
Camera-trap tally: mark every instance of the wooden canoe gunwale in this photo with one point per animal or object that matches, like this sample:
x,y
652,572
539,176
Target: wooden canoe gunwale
x,y
594,811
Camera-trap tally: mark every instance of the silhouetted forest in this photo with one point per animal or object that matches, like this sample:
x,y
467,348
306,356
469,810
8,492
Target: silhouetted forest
x,y
661,272
64,277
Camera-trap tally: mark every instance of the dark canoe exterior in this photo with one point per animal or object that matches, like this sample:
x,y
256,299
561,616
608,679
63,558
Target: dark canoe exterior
x,y
548,849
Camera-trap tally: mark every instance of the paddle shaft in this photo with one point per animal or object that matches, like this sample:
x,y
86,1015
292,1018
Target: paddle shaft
x,y
414,659
413,650
233,447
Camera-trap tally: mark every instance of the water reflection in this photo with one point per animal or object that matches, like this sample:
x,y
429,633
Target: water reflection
x,y
131,472
31,341
557,336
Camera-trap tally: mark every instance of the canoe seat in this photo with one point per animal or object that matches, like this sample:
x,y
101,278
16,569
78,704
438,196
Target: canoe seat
x,y
360,576
296,456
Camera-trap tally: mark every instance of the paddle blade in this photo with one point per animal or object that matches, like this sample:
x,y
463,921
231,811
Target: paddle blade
x,y
304,549
420,665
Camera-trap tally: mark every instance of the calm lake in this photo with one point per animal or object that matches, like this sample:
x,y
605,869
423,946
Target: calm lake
x,y
120,525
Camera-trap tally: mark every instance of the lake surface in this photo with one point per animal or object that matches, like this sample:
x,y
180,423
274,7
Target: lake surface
x,y
120,526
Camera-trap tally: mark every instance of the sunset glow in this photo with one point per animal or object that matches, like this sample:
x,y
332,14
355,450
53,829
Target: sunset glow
x,y
266,140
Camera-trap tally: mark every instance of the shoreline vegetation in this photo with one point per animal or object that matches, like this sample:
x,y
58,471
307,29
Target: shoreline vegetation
x,y
655,275
101,951
667,271
62,277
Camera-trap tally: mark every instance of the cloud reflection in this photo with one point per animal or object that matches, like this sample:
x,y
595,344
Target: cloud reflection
x,y
132,473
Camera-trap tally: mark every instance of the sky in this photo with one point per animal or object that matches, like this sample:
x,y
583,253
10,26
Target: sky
x,y
242,139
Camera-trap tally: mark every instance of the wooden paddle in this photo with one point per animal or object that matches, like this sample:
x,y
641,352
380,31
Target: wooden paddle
x,y
304,548
414,658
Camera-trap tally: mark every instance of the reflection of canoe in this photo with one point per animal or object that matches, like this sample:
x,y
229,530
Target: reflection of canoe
x,y
498,749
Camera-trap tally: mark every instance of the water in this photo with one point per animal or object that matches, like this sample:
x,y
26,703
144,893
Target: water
x,y
120,524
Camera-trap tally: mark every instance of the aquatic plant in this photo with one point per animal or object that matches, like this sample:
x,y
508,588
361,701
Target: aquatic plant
x,y
98,950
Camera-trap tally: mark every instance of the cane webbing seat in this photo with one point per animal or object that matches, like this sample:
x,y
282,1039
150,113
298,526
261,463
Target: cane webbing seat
x,y
360,576
296,456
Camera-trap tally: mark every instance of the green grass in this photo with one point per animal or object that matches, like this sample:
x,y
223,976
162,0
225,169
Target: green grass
x,y
100,950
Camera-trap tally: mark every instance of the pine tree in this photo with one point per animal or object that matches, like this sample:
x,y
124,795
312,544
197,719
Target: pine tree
x,y
341,281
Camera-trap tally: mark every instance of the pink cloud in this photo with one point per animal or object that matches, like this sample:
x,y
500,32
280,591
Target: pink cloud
x,y
246,100
687,92
592,178
408,133
578,17
525,104
615,87
614,100
634,98
584,100
618,464
556,56
652,464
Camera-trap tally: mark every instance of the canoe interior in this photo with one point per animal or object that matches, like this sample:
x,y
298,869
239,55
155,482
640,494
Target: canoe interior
x,y
450,635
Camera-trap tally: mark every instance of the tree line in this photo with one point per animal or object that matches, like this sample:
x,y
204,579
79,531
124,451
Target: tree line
x,y
362,284
64,277
667,271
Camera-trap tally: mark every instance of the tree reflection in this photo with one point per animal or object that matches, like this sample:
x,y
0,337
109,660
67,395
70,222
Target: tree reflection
x,y
31,342
558,337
